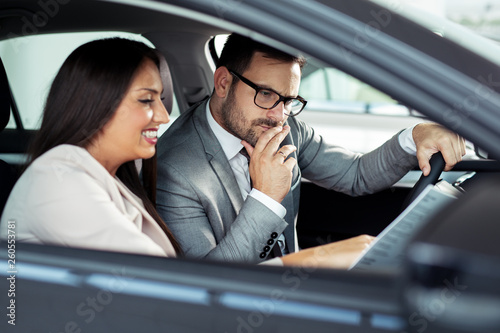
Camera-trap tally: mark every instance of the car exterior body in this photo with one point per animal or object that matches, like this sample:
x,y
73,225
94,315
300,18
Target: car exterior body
x,y
447,79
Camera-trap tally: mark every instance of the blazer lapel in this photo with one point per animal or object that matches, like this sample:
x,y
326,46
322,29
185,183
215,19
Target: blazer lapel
x,y
226,176
148,223
291,202
217,158
121,196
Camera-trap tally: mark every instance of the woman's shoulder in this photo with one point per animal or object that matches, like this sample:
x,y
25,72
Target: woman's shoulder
x,y
65,153
63,170
65,161
51,177
63,173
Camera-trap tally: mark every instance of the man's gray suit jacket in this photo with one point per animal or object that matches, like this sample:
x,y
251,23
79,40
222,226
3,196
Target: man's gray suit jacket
x,y
199,198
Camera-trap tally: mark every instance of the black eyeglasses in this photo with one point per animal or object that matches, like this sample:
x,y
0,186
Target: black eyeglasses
x,y
267,99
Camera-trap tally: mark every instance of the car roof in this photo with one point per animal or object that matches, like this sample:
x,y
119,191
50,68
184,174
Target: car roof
x,y
23,17
361,38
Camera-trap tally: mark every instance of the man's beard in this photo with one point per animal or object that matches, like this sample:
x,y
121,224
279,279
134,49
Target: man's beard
x,y
235,123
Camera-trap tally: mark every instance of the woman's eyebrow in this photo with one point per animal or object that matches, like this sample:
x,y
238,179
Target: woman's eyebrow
x,y
149,89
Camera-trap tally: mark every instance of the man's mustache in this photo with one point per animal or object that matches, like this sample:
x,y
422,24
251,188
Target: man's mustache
x,y
267,122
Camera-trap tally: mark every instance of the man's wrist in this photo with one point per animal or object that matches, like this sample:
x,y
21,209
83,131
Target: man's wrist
x,y
406,141
269,202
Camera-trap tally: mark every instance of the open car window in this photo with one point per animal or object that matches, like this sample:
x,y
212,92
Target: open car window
x,y
447,273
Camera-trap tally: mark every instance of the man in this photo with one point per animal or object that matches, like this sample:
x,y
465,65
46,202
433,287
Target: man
x,y
220,207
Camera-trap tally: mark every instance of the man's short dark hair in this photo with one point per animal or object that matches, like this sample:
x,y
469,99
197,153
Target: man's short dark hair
x,y
238,51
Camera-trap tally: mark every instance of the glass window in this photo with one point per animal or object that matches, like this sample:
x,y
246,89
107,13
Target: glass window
x,y
471,24
32,62
345,110
328,89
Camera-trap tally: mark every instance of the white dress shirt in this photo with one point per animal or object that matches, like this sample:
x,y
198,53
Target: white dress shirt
x,y
231,146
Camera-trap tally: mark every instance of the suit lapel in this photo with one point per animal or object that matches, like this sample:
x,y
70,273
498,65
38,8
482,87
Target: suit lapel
x,y
226,176
217,159
290,202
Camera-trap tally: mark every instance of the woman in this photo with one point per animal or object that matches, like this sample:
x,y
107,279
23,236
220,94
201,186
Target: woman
x,y
81,187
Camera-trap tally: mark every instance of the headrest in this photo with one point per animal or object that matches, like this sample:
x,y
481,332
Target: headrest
x,y
4,98
166,78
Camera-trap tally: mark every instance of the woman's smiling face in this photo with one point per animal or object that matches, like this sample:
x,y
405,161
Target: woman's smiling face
x,y
132,131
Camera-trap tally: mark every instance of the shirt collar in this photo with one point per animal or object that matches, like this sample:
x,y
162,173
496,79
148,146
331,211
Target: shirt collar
x,y
230,144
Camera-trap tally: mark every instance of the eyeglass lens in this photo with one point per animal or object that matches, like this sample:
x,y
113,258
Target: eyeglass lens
x,y
268,99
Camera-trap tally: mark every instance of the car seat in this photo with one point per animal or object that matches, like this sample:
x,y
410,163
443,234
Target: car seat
x,y
166,78
8,174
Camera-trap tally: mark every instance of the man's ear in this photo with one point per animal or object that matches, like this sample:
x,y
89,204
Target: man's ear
x,y
222,81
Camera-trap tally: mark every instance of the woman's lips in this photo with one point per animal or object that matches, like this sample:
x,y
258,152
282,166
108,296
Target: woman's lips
x,y
150,135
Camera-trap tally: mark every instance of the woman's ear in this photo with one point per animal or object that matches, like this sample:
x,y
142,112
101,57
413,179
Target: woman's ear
x,y
222,81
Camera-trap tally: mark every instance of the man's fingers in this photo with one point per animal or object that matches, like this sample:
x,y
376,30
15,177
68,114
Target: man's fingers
x,y
274,143
461,143
431,138
285,151
248,147
452,149
290,163
423,162
266,137
453,154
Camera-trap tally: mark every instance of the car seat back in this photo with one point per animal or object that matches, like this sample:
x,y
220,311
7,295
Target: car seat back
x,y
8,175
166,78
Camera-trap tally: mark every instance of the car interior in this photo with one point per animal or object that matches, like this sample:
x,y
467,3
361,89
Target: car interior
x,y
185,43
65,280
8,172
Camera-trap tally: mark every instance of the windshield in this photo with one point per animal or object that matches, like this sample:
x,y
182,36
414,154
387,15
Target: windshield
x,y
474,25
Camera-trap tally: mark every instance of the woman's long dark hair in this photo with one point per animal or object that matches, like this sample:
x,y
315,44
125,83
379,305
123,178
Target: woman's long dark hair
x,y
84,96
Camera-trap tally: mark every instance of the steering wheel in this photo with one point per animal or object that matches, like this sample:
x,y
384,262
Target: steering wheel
x,y
437,166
